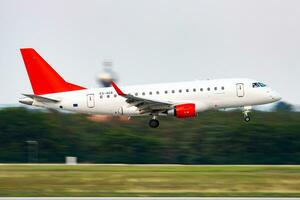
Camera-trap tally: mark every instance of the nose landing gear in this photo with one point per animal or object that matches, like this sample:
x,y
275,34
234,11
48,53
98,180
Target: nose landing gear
x,y
247,118
246,113
154,123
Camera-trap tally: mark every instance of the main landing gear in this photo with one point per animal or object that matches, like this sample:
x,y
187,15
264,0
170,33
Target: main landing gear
x,y
154,123
246,113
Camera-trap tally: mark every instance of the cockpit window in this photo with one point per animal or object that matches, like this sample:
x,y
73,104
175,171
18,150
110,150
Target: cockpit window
x,y
262,84
258,84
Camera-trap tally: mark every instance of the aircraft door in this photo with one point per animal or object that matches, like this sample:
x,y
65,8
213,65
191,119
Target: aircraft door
x,y
240,89
90,101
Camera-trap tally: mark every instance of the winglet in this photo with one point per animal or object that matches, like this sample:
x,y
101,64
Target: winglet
x,y
118,90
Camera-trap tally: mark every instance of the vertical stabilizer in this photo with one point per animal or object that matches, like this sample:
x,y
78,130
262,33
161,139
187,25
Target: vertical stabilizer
x,y
44,79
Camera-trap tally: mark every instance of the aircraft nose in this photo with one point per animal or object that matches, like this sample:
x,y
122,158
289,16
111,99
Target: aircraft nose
x,y
275,96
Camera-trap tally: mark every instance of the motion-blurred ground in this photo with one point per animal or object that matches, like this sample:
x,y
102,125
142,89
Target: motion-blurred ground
x,y
211,138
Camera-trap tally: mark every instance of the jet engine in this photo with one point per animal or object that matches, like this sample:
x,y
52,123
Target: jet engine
x,y
184,110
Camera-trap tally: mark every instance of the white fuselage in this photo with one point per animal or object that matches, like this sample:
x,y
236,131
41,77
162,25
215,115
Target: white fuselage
x,y
205,94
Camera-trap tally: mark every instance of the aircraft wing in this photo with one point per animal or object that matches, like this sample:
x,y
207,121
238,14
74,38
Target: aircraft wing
x,y
144,105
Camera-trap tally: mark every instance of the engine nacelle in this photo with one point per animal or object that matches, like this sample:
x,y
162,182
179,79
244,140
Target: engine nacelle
x,y
184,110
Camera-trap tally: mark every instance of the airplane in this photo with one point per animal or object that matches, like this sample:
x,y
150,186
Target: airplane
x,y
179,99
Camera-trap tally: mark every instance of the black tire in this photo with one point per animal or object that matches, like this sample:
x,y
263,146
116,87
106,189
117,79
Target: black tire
x,y
247,119
153,123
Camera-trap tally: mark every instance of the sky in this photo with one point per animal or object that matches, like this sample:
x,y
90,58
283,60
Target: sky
x,y
153,41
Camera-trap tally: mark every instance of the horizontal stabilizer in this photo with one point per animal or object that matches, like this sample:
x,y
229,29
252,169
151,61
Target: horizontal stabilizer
x,y
41,98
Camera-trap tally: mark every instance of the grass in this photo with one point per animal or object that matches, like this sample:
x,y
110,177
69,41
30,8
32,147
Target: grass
x,y
160,180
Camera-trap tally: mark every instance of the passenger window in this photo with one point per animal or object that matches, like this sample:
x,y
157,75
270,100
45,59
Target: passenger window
x,y
180,91
201,89
173,91
222,88
157,92
101,97
107,96
143,93
166,92
216,88
150,93
136,94
208,89
115,95
194,89
187,90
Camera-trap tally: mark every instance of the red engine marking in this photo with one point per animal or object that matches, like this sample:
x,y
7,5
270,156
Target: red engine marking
x,y
185,110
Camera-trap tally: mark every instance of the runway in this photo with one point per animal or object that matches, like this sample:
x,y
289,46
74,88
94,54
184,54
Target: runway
x,y
145,198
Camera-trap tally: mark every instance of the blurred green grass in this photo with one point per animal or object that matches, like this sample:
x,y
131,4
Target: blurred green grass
x,y
149,180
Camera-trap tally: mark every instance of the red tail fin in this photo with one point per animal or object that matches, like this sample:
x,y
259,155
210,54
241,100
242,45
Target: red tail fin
x,y
44,79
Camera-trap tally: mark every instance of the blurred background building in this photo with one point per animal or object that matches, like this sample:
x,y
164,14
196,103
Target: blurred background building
x,y
104,79
107,75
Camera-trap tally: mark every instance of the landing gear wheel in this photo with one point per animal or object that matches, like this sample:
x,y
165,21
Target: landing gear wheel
x,y
247,110
153,123
247,119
